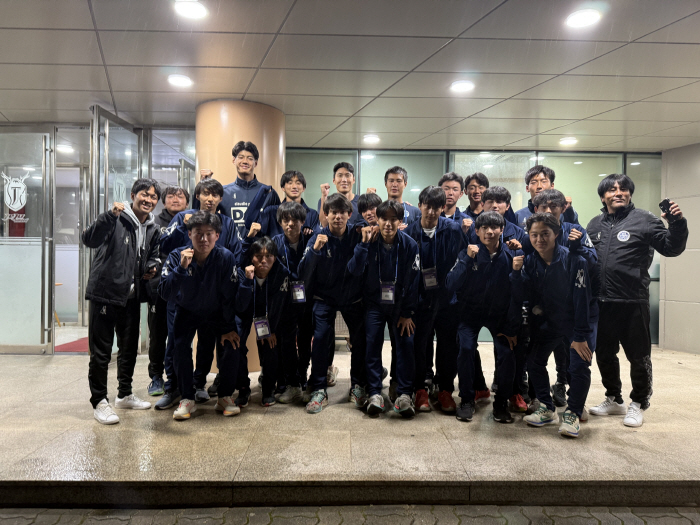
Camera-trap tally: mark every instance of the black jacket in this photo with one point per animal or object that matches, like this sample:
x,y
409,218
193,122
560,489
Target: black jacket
x,y
625,242
118,261
163,220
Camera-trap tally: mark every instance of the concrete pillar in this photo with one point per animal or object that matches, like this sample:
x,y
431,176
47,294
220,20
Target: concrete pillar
x,y
222,123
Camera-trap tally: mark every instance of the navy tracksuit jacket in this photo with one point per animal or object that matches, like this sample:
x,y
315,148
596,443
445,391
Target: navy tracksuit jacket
x,y
264,213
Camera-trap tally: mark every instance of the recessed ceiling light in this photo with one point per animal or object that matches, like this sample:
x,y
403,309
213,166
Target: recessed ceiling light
x,y
488,165
635,163
462,86
484,154
578,162
64,148
190,9
537,158
568,141
28,168
367,156
180,80
371,139
602,175
583,18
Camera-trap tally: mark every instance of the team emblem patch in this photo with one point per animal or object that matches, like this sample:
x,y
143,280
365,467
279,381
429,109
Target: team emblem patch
x,y
623,236
416,263
580,279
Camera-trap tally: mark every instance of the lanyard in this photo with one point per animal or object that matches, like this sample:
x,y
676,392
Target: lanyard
x,y
434,251
255,285
379,259
286,253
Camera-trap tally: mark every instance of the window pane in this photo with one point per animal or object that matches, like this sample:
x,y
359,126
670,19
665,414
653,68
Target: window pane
x,y
424,168
645,171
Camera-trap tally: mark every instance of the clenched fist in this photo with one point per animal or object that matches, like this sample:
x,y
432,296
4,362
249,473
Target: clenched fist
x,y
321,241
117,208
186,257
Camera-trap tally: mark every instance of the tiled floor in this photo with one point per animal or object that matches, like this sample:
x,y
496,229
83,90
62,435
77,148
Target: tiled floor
x,y
48,433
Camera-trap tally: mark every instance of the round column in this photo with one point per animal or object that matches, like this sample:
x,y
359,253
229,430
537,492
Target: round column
x,y
222,123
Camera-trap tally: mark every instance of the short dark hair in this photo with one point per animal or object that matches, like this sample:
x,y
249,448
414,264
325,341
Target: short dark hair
x,y
262,245
245,146
398,170
287,176
432,197
174,190
482,179
609,182
204,218
536,170
490,218
291,211
452,177
554,196
547,218
345,165
337,202
387,205
210,186
496,194
368,201
145,185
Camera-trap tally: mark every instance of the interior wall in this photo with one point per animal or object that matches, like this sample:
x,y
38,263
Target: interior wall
x,y
680,291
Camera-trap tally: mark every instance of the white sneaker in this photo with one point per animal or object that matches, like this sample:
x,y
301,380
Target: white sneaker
x,y
104,413
133,402
584,415
227,406
635,415
185,410
331,375
609,408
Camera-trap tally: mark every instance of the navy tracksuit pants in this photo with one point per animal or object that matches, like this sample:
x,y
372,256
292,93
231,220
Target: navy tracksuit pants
x,y
375,320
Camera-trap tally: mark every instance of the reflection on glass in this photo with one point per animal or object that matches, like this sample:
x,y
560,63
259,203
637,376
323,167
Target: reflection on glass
x,y
424,169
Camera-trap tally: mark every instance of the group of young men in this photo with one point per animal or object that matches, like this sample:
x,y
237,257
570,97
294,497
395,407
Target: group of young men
x,y
241,260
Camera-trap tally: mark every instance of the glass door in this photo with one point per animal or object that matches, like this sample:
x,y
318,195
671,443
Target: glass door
x,y
26,240
186,178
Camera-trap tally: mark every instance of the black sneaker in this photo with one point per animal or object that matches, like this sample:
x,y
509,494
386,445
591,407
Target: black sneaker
x,y
501,414
465,412
213,389
243,397
559,394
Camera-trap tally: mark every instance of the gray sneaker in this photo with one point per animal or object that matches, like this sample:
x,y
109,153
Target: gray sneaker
x,y
404,406
201,395
393,385
359,396
331,375
169,400
376,405
306,394
291,395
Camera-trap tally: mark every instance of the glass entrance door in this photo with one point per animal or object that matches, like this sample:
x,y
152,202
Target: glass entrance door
x,y
26,243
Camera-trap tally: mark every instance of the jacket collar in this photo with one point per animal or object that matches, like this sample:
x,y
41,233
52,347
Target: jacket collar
x,y
247,184
556,257
165,215
620,214
530,206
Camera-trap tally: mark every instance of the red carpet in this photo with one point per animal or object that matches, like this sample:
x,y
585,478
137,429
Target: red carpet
x,y
81,345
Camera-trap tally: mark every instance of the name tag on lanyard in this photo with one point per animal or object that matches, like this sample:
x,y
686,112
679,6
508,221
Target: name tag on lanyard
x,y
262,327
388,293
298,292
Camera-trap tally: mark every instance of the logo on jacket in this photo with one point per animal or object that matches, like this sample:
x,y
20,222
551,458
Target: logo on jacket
x,y
598,236
234,274
328,253
126,240
103,311
580,279
416,263
623,236
170,229
285,285
587,242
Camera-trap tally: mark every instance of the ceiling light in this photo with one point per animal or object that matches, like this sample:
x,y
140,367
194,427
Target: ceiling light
x,y
568,141
180,80
602,175
484,154
415,189
29,168
488,165
190,9
367,157
37,177
537,158
371,139
462,86
635,163
583,18
127,153
578,162
64,148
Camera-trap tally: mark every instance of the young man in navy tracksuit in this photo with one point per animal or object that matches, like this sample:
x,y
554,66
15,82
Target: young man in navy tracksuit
x,y
439,242
267,293
324,266
202,280
556,284
474,187
575,238
395,181
209,193
481,279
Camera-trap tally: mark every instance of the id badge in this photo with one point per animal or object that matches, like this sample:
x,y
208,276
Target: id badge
x,y
262,327
430,280
298,292
388,290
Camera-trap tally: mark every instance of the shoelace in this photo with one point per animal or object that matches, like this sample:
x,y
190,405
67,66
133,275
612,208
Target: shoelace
x,y
317,398
570,418
633,411
106,409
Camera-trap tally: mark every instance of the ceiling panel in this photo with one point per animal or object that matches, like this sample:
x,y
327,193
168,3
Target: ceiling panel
x,y
224,15
505,125
685,130
25,46
660,111
548,109
689,93
303,139
623,20
575,87
514,56
551,142
655,143
468,140
184,49
487,85
3,118
59,14
90,78
159,118
39,99
47,115
654,60
613,127
161,101
339,83
180,139
312,123
426,107
389,124
206,79
342,139
311,105
685,30
369,17
350,52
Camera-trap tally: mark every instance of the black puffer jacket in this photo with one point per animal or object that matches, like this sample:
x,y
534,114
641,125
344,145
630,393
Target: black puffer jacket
x,y
625,242
118,260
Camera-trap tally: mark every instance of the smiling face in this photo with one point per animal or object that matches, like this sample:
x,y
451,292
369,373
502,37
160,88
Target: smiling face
x,y
175,202
144,202
616,198
203,239
395,184
208,201
389,225
293,189
543,239
453,191
474,191
343,180
245,164
500,207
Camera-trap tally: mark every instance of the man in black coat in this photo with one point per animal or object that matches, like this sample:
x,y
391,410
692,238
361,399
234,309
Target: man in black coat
x,y
625,239
126,255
